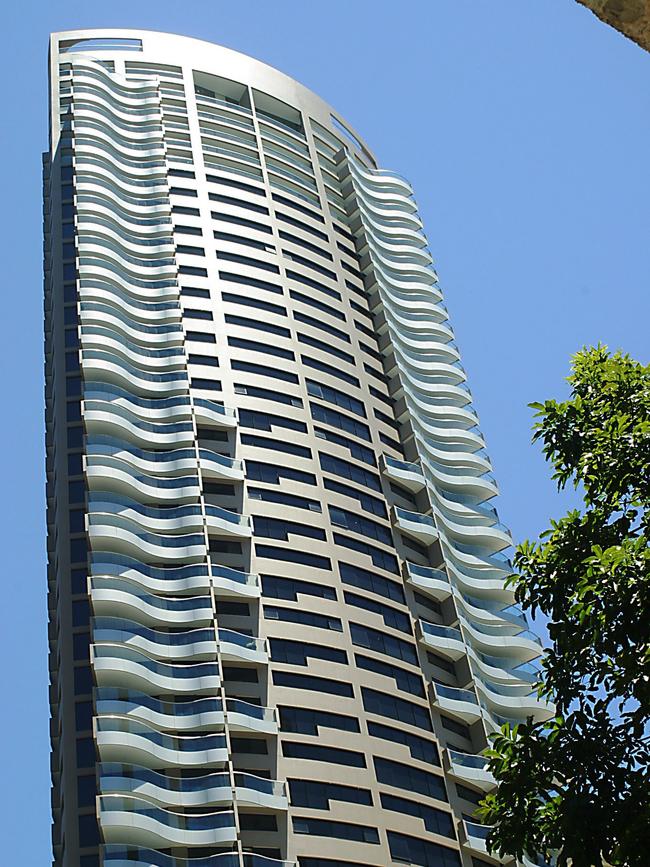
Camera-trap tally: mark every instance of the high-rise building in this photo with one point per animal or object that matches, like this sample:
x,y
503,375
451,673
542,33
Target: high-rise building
x,y
279,631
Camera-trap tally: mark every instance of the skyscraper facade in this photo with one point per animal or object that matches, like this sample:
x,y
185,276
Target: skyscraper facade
x,y
278,626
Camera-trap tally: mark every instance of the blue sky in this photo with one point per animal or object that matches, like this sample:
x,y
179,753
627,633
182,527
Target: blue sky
x,y
524,128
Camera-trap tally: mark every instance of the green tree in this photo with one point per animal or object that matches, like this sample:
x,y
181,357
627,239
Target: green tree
x,y
578,785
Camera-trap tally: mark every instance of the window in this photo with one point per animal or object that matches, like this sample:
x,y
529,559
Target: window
x,y
309,793
190,251
307,245
260,325
318,753
253,302
361,453
207,384
244,280
192,313
307,263
339,830
343,468
256,822
256,346
428,604
366,501
435,821
300,652
381,559
193,270
241,221
325,347
391,616
456,727
357,523
285,499
182,209
266,421
313,284
262,370
261,472
300,224
412,850
239,203
380,642
327,415
231,238
276,587
276,528
247,260
308,722
314,684
409,778
441,662
469,794
210,360
267,394
182,191
303,557
282,200
323,308
306,618
420,748
193,292
200,337
250,746
405,680
366,580
237,185
277,445
331,371
88,831
395,708
333,395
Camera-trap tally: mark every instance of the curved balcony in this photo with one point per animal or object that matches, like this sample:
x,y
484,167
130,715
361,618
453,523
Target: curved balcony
x,y
110,367
122,422
238,647
213,414
171,520
469,768
103,340
116,665
133,856
117,477
229,583
120,597
523,646
104,316
260,793
409,475
500,669
243,716
216,466
515,702
225,522
193,644
179,580
462,703
121,535
474,838
165,790
418,526
178,716
125,818
428,580
120,739
447,641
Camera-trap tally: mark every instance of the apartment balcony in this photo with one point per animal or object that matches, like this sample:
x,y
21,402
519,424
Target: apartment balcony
x,y
409,475
216,466
238,647
260,793
120,739
213,414
425,579
445,640
461,703
116,855
469,769
229,583
129,422
118,597
224,522
196,714
121,535
192,644
418,526
127,668
123,779
131,575
523,646
243,716
514,702
126,818
473,839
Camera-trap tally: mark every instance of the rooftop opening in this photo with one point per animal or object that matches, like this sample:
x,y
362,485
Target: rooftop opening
x,y
233,92
274,109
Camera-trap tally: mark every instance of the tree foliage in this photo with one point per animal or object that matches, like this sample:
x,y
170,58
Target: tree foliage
x,y
578,784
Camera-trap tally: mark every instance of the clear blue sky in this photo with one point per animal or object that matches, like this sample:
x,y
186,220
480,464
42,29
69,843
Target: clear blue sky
x,y
524,127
